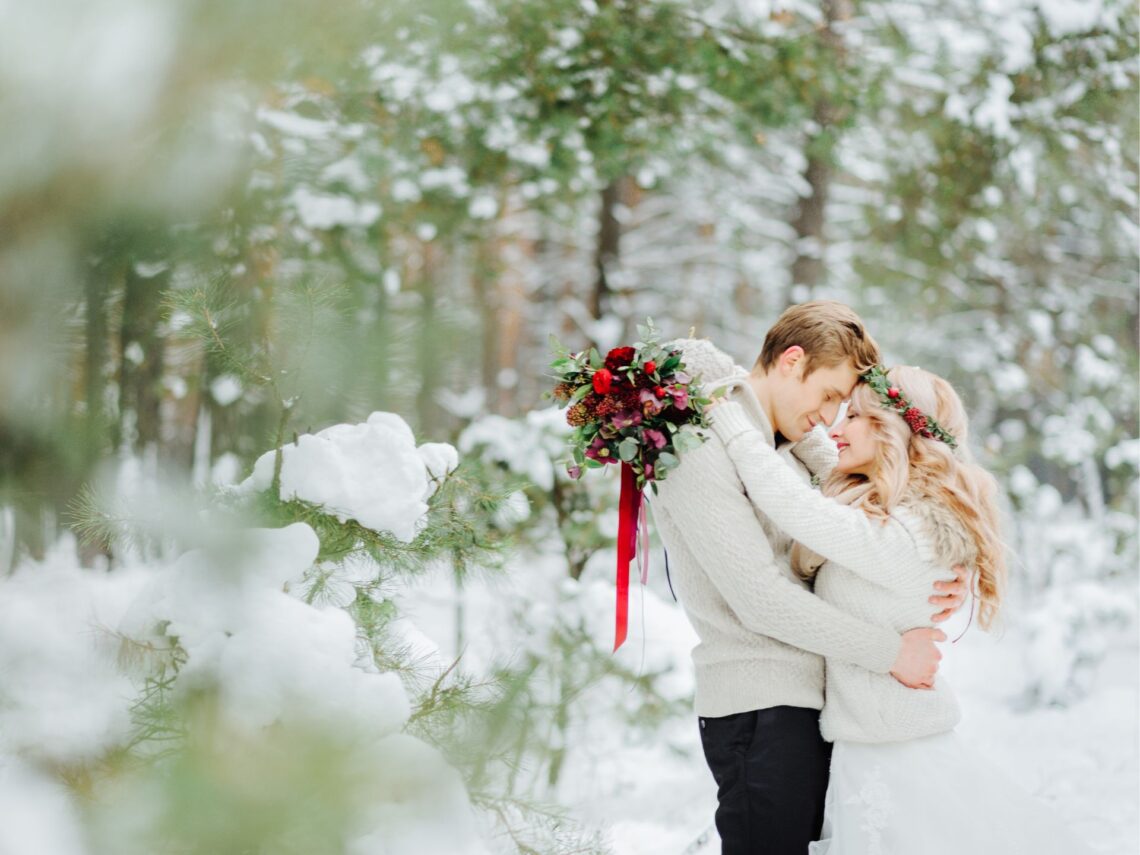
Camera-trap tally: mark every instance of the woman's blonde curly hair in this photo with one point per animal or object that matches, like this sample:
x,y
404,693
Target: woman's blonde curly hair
x,y
910,466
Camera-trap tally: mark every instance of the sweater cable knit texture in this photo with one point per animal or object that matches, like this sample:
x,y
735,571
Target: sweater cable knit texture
x,y
761,631
880,571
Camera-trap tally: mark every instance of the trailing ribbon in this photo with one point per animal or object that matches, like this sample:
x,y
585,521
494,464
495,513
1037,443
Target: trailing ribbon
x,y
631,524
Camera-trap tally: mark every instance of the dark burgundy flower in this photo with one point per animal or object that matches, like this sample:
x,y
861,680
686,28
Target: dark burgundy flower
x,y
598,450
592,402
626,418
619,357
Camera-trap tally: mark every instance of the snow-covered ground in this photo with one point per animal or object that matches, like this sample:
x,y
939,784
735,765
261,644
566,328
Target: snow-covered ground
x,y
633,772
647,787
650,788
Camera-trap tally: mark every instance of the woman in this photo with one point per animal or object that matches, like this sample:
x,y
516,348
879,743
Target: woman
x,y
903,503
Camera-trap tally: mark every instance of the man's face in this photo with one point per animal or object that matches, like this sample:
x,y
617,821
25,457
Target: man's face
x,y
800,404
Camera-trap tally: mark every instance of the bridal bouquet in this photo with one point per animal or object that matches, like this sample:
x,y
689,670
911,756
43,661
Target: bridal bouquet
x,y
628,408
637,407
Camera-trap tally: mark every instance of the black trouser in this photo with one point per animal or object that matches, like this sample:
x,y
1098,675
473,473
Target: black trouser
x,y
771,768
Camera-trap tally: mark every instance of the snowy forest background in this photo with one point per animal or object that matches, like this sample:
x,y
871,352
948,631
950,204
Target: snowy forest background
x,y
333,239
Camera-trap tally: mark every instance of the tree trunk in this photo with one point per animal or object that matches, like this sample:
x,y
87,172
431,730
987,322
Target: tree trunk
x,y
808,267
140,375
607,251
428,346
485,287
94,386
94,361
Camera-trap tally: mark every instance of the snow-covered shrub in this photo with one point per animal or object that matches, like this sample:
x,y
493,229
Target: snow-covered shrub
x,y
256,693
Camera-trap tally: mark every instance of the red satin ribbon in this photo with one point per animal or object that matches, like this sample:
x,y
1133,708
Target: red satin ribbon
x,y
630,520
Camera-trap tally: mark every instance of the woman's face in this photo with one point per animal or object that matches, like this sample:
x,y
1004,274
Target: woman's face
x,y
852,434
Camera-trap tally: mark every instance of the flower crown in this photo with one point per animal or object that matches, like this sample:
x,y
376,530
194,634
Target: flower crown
x,y
893,399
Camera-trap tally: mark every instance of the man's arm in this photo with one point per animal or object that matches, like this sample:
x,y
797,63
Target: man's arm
x,y
717,525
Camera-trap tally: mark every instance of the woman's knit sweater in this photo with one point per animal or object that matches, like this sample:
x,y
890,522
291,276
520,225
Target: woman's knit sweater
x,y
879,571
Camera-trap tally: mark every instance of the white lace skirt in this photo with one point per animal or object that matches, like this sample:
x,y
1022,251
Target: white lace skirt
x,y
931,796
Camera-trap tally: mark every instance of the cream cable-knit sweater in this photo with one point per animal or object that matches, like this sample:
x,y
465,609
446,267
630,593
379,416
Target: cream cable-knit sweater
x,y
760,629
879,571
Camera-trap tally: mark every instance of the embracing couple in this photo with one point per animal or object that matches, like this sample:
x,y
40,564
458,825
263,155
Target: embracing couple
x,y
820,714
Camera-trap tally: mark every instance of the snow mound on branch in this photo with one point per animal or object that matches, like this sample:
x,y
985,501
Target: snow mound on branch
x,y
370,472
61,697
270,655
269,659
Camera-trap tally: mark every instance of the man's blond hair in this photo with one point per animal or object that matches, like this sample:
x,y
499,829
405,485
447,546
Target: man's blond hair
x,y
829,332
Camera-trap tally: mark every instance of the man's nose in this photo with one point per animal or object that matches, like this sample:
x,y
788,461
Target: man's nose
x,y
827,413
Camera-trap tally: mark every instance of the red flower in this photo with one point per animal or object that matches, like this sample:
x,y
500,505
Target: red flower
x,y
603,379
658,391
915,419
619,357
650,367
893,392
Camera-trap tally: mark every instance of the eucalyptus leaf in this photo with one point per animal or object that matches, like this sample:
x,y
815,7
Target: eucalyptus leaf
x,y
558,347
686,441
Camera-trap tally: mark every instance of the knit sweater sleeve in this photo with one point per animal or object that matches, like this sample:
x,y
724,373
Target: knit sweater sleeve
x,y
885,553
817,452
719,528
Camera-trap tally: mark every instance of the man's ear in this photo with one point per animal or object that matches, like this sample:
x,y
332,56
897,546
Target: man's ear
x,y
790,359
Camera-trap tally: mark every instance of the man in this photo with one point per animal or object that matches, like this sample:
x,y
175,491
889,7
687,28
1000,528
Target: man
x,y
759,666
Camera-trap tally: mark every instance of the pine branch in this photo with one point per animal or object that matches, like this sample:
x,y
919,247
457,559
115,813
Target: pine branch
x,y
536,828
95,524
